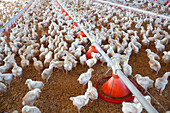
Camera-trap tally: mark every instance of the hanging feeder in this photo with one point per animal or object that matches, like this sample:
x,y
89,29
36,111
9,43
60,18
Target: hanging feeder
x,y
92,49
66,14
82,34
63,10
108,85
69,18
115,87
74,24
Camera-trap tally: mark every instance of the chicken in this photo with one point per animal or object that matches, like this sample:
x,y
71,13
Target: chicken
x,y
154,64
145,82
131,107
30,97
16,70
83,60
30,109
46,74
127,69
161,82
24,61
48,58
85,77
159,46
4,68
166,57
80,101
34,84
7,77
149,52
3,87
68,65
92,91
91,62
37,64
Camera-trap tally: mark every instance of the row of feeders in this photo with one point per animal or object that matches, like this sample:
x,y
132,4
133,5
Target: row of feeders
x,y
114,90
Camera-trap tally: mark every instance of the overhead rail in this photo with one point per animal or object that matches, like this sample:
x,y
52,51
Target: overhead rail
x,y
128,83
9,23
133,9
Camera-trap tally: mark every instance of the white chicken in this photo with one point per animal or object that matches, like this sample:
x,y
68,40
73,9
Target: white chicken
x,y
48,58
80,101
46,74
154,64
7,77
149,52
128,107
145,82
30,97
83,59
24,61
37,64
159,46
127,69
16,70
91,62
85,77
30,109
166,57
34,84
161,82
92,91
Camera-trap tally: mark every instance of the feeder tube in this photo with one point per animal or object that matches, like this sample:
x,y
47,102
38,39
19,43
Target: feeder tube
x,y
14,18
134,9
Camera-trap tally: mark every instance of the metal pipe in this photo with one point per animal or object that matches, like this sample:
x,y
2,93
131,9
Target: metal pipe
x,y
2,29
134,9
127,82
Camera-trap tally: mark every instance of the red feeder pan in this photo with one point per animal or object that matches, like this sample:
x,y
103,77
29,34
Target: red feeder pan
x,y
115,87
111,100
74,24
82,34
92,49
66,14
69,18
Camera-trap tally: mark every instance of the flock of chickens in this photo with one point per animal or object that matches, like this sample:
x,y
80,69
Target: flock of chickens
x,y
148,5
58,48
6,7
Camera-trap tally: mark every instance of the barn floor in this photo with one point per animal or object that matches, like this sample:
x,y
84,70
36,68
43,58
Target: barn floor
x,y
55,95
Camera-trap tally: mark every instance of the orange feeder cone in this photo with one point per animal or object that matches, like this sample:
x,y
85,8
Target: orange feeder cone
x,y
69,18
92,49
82,34
115,87
66,14
74,24
63,11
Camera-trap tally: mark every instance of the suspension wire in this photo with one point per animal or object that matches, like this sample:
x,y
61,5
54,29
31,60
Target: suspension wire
x,y
87,44
106,72
112,85
152,96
